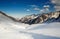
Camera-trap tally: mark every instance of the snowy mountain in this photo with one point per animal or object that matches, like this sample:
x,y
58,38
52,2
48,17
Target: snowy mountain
x,y
41,18
12,29
6,18
7,22
34,18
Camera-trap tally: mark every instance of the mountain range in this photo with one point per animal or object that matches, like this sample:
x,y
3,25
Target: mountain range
x,y
41,18
33,19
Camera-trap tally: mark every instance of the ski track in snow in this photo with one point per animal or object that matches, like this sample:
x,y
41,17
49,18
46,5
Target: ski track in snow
x,y
24,31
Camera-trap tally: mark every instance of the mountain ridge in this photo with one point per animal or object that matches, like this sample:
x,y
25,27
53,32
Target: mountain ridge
x,y
36,18
41,18
12,18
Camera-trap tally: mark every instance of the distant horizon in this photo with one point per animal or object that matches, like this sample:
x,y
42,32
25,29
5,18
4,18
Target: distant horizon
x,y
19,14
24,15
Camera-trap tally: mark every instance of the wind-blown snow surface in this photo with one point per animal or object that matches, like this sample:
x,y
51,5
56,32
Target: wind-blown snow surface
x,y
24,31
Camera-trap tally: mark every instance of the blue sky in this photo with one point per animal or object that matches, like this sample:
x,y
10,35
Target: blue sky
x,y
20,8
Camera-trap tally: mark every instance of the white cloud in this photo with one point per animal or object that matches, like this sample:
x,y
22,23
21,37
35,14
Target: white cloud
x,y
45,9
57,4
36,8
33,5
57,8
42,11
46,6
53,1
56,1
28,10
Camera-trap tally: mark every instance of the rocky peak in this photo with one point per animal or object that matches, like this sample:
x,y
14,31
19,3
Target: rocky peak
x,y
34,19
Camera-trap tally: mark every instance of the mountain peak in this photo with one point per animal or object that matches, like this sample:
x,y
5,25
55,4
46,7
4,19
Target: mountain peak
x,y
41,18
35,19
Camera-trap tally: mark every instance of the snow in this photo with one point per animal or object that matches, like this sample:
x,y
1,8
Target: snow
x,y
46,29
12,35
37,31
13,30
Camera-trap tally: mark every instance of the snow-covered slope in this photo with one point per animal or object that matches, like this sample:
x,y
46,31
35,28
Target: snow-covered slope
x,y
10,29
5,18
35,31
51,29
9,23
